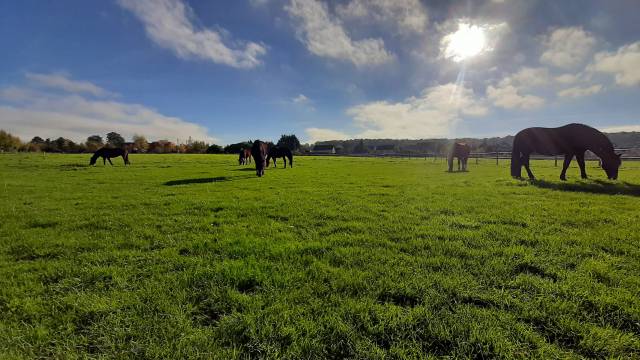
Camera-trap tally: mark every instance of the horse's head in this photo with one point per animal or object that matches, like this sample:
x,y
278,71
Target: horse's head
x,y
260,165
611,165
93,160
259,153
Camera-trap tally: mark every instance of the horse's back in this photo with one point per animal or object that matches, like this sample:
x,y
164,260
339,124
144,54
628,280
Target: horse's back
x,y
570,138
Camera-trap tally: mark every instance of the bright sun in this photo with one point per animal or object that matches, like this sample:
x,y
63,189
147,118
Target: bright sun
x,y
468,41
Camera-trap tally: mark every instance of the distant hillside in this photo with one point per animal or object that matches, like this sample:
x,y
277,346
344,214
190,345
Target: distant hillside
x,y
439,146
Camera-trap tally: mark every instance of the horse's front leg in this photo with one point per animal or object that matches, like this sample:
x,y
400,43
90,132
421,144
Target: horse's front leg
x,y
458,164
109,159
583,171
104,160
285,162
565,166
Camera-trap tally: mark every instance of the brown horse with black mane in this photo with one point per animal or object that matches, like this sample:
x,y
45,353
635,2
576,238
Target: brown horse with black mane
x,y
569,140
260,151
108,153
245,157
460,151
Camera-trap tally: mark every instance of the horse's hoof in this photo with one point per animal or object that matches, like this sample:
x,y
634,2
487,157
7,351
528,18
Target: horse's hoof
x,y
563,178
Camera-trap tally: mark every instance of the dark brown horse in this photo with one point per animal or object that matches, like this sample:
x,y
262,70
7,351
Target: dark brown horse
x,y
569,140
247,156
107,154
241,158
460,151
280,152
260,151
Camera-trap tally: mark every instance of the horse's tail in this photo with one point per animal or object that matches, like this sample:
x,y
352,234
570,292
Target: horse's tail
x,y
516,165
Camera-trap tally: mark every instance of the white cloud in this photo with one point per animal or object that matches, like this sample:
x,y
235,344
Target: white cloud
x,y
300,99
432,114
528,77
63,82
622,128
324,36
577,91
624,64
169,24
75,117
317,134
567,47
567,78
509,97
409,16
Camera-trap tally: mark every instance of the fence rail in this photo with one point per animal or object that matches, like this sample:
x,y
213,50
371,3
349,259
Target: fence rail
x,y
493,155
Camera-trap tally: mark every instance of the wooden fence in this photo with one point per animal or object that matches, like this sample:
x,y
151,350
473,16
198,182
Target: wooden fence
x,y
627,155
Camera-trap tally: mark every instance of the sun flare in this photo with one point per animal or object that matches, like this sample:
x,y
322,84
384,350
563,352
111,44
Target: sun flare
x,y
467,42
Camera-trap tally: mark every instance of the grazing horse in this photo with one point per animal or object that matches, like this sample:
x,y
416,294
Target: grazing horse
x,y
260,151
569,140
247,156
280,152
460,151
108,153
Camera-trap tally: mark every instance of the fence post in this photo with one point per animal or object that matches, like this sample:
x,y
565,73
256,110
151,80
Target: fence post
x,y
497,157
555,158
476,159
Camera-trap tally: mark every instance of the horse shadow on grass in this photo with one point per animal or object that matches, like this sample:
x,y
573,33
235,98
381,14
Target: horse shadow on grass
x,y
593,187
204,180
245,169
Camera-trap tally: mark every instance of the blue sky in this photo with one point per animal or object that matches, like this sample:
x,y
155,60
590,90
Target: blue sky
x,y
227,71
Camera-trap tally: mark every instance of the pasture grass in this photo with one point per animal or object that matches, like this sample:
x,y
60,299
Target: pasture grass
x,y
193,256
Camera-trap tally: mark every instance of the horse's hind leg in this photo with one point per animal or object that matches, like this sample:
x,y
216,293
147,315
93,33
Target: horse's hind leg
x,y
583,171
285,162
525,162
109,159
565,166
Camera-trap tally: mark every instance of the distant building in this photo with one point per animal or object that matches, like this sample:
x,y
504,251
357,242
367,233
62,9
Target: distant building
x,y
324,149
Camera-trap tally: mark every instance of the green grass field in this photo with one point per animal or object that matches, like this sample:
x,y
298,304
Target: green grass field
x,y
193,256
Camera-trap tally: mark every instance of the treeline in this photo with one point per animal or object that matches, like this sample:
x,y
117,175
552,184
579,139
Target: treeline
x,y
138,144
441,146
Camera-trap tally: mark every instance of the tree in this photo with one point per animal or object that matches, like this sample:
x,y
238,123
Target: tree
x,y
140,143
9,142
114,139
37,140
94,142
197,147
360,149
215,149
291,141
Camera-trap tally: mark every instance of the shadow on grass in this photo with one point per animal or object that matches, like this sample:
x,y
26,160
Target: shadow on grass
x,y
594,187
245,169
197,181
74,166
456,171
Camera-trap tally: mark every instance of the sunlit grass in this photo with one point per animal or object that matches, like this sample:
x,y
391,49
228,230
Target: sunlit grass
x,y
189,256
